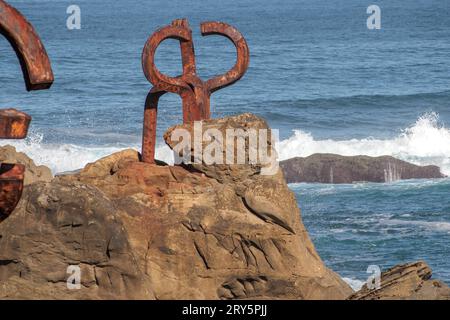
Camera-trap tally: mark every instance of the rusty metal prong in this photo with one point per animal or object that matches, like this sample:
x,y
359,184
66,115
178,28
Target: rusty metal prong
x,y
187,48
13,124
11,187
150,125
184,23
36,68
243,54
151,72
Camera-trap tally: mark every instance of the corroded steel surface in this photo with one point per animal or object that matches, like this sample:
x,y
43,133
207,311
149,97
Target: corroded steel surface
x,y
33,58
194,92
11,186
13,124
37,73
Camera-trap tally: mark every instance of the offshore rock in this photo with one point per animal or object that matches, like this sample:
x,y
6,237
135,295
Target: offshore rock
x,y
332,168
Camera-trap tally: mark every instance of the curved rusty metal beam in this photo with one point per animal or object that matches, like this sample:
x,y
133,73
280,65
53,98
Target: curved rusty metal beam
x,y
153,75
36,68
243,54
38,74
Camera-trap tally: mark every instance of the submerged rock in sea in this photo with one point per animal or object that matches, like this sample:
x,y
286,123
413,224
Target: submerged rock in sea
x,y
411,281
332,168
146,231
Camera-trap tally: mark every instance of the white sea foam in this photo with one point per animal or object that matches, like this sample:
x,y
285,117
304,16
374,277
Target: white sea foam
x,y
425,142
68,157
440,226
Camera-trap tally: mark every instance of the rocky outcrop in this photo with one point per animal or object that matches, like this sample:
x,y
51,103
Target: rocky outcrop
x,y
63,224
332,168
243,127
33,173
147,231
143,231
410,281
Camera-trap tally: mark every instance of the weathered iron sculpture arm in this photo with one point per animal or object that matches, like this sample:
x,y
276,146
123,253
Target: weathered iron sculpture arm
x,y
37,73
33,58
153,75
243,55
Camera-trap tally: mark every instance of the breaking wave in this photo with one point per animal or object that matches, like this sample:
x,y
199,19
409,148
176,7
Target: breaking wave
x,y
425,142
68,157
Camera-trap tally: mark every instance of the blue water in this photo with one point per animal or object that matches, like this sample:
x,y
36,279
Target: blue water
x,y
354,226
316,73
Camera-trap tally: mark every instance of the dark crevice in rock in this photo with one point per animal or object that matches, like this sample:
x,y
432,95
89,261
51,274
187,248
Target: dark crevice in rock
x,y
7,262
201,255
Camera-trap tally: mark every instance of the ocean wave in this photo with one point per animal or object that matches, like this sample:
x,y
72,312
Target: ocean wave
x,y
348,105
434,226
68,157
426,142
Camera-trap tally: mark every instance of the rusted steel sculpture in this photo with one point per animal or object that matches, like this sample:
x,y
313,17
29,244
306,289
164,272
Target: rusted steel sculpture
x,y
37,73
194,92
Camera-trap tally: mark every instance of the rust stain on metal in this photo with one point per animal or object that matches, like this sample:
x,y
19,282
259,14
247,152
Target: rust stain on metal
x,y
38,74
194,92
23,38
13,124
11,186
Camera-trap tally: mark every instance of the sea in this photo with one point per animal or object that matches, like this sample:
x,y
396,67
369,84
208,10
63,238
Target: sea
x,y
317,73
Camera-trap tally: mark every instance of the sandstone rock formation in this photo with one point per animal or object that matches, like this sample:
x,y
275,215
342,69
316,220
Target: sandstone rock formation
x,y
410,281
245,124
62,224
168,232
332,168
33,173
143,231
